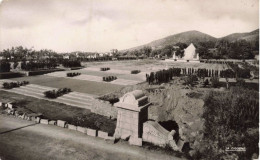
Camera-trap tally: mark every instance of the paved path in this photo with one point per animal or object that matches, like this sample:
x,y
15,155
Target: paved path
x,y
20,139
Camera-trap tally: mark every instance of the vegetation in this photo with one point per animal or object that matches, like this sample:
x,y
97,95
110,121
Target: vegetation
x,y
231,120
5,66
215,82
162,76
109,78
10,85
31,66
104,69
57,93
73,74
71,63
135,71
190,80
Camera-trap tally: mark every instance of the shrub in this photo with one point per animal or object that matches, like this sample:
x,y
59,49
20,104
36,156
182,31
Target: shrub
x,y
73,74
215,82
56,93
135,71
189,80
233,115
5,66
71,63
109,78
240,82
30,66
10,85
104,69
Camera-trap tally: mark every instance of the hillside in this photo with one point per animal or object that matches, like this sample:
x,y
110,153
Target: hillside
x,y
196,37
249,36
184,37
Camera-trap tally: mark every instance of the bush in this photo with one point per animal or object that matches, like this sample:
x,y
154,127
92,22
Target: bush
x,y
10,85
70,63
135,71
31,66
73,74
240,82
57,93
104,69
189,80
109,78
5,66
234,116
215,82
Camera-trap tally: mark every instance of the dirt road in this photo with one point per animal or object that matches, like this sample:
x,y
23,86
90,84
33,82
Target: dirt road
x,y
20,139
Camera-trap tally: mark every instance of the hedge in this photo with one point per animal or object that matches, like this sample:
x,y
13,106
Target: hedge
x,y
104,69
10,85
135,71
57,93
73,74
109,78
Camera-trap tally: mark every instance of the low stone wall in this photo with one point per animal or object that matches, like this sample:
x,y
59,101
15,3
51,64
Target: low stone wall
x,y
72,127
44,121
103,135
82,129
104,108
61,123
92,132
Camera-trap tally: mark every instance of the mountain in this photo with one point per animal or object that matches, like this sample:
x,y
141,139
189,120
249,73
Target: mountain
x,y
248,36
195,37
184,37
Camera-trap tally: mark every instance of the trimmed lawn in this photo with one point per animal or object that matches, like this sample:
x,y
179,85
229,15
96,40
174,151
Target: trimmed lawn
x,y
58,111
90,87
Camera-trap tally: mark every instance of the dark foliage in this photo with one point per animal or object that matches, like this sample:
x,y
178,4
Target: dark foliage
x,y
10,85
104,69
31,66
135,71
71,63
73,74
163,76
233,118
5,66
57,93
109,78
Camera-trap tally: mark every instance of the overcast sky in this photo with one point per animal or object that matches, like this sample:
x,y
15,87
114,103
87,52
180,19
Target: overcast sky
x,y
100,25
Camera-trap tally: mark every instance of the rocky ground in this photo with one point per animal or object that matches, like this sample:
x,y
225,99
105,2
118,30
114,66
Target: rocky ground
x,y
174,102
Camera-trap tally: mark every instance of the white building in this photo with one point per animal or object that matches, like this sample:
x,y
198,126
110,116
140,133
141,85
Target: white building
x,y
189,54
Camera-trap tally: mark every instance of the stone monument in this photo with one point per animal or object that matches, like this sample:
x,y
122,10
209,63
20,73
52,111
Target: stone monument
x,y
132,113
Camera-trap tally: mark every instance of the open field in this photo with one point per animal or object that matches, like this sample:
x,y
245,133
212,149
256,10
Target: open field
x,y
153,65
89,87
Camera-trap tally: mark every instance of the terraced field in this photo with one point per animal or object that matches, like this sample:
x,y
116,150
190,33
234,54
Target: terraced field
x,y
77,99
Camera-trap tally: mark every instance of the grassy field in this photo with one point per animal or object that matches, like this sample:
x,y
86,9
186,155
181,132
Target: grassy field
x,y
89,87
56,111
153,65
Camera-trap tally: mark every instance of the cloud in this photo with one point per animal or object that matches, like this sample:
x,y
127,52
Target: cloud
x,y
100,25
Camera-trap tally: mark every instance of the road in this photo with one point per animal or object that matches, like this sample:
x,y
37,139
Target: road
x,y
20,139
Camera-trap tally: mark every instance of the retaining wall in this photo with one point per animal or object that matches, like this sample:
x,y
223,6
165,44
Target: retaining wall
x,y
92,132
104,108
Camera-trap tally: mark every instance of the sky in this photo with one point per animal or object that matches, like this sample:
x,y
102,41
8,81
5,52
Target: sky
x,y
102,25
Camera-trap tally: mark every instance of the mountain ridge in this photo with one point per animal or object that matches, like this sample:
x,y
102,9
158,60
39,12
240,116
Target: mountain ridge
x,y
194,36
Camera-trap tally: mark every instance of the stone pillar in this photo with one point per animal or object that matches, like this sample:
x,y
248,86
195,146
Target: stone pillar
x,y
132,113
